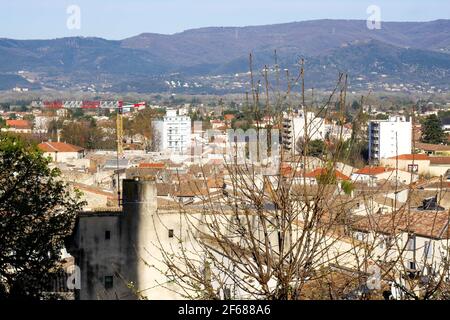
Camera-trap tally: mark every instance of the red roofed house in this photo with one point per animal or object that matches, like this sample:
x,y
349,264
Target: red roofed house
x,y
372,174
439,166
319,172
416,163
228,118
19,126
368,173
60,151
152,165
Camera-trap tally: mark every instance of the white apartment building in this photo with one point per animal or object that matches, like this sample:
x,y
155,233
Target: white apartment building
x,y
389,138
294,128
174,132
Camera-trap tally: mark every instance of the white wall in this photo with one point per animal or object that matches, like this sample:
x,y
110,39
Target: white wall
x,y
394,138
174,132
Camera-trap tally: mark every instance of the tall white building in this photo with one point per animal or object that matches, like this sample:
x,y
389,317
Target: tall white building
x,y
174,132
389,138
294,125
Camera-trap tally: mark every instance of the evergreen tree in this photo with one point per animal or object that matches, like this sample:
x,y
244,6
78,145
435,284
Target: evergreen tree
x,y
432,130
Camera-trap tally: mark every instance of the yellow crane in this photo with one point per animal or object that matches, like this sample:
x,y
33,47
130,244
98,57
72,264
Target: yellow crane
x,y
118,105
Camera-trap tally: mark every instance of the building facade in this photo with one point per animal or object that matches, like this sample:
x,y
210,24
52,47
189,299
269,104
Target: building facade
x,y
302,125
173,132
60,151
389,138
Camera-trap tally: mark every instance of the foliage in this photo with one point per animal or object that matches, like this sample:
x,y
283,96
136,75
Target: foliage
x,y
88,135
142,124
36,213
347,187
432,130
316,148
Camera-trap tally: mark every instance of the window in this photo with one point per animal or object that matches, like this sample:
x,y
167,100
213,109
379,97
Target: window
x,y
361,236
428,250
109,282
107,235
412,265
413,168
170,233
226,294
411,245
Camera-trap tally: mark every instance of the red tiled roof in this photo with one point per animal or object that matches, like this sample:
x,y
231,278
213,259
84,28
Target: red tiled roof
x,y
425,223
22,124
372,171
58,147
153,165
95,190
411,157
432,147
229,117
320,171
439,160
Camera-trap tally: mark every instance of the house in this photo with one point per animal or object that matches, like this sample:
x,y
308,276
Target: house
x,y
60,151
152,165
439,166
422,164
228,118
414,239
374,174
95,197
446,125
433,149
314,176
368,174
18,126
416,163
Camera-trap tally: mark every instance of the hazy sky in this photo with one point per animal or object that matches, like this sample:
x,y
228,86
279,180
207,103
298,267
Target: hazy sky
x,y
114,19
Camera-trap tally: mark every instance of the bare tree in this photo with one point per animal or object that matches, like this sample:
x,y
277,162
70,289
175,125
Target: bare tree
x,y
290,235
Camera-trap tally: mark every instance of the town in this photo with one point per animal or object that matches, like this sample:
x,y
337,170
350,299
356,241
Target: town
x,y
156,179
208,159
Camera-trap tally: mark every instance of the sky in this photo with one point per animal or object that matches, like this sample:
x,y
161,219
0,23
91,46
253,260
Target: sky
x,y
114,19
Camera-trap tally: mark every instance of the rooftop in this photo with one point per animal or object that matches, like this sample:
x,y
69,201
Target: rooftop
x,y
58,147
440,160
372,171
19,124
321,171
411,157
429,224
432,147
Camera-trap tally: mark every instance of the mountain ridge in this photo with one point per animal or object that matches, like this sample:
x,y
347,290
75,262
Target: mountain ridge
x,y
77,62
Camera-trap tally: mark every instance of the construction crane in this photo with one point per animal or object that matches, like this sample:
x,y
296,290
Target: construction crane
x,y
121,108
